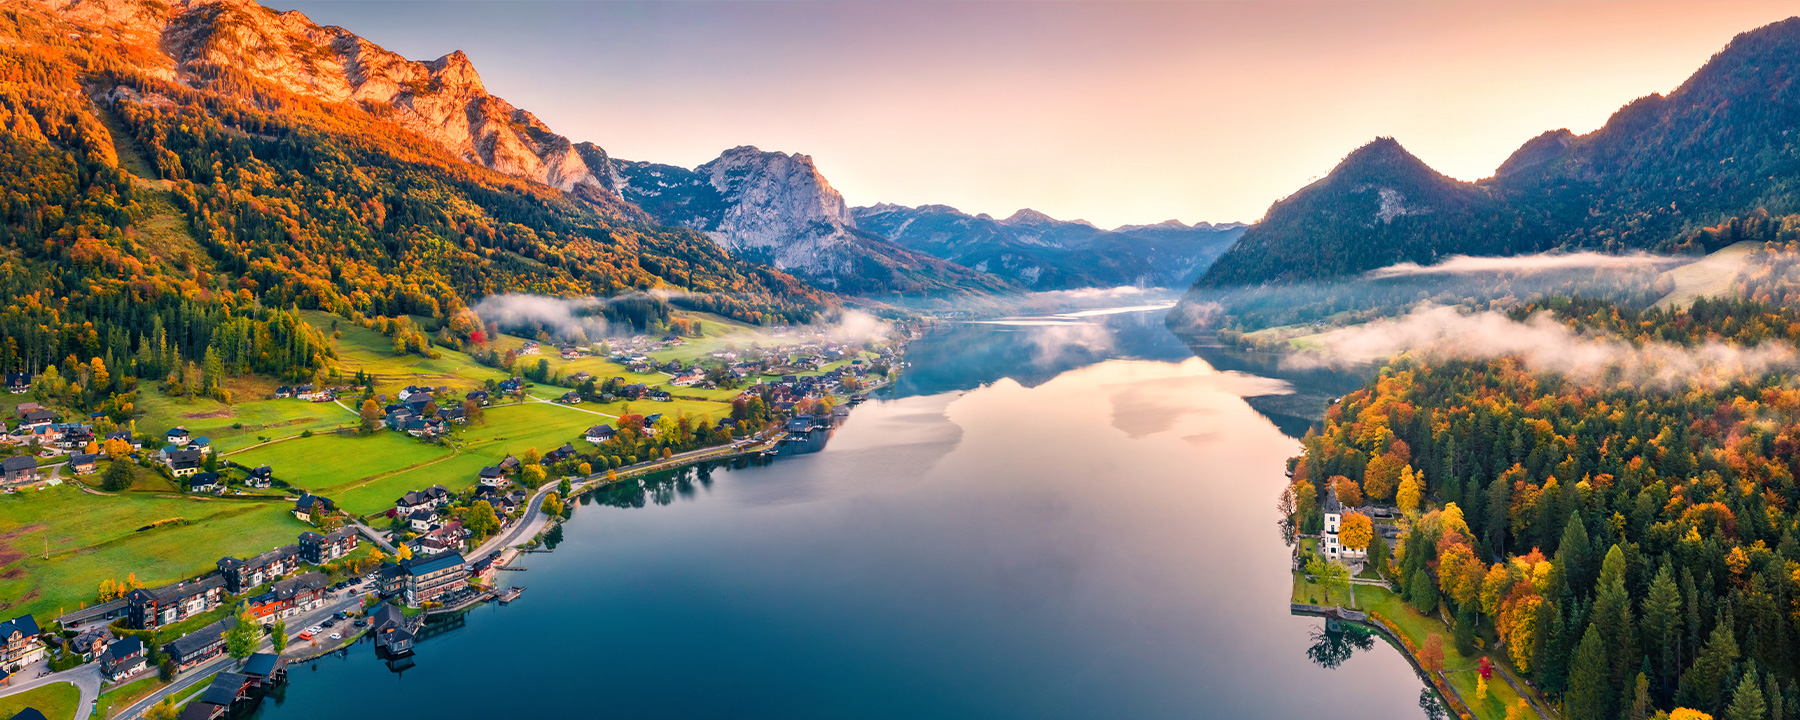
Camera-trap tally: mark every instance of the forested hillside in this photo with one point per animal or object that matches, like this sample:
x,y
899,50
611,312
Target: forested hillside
x,y
1630,546
1720,145
148,215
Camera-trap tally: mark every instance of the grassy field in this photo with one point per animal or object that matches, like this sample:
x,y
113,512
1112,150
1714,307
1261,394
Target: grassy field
x,y
56,702
123,696
325,463
364,349
94,537
1459,669
239,425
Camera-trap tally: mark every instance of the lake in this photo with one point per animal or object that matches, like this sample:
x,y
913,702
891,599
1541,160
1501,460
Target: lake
x,y
1066,518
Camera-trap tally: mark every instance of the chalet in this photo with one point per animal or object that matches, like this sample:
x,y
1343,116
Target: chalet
x,y
398,417
391,580
310,508
432,576
18,383
293,595
261,477
558,455
124,659
661,396
420,520
511,386
19,643
199,646
492,476
510,464
241,575
441,539
453,414
408,392
206,482
177,437
479,396
430,498
320,549
599,434
529,348
183,463
70,436
570,398
652,419
582,376
18,470
203,444
503,506
284,392
91,643
417,402
151,609
34,419
125,436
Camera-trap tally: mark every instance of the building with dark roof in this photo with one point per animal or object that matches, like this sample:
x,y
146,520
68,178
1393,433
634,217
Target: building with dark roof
x,y
124,658
296,594
310,507
199,646
19,643
18,470
320,549
241,575
431,576
151,609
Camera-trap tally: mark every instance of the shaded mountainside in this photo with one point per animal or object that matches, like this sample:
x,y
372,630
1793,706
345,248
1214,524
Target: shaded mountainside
x,y
778,209
170,169
1037,251
1720,145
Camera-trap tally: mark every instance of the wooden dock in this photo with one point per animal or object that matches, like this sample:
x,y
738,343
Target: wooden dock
x,y
510,594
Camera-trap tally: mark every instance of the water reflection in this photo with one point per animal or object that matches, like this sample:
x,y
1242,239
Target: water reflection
x,y
1335,642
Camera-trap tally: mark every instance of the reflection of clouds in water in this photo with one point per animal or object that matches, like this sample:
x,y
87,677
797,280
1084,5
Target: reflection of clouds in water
x,y
1185,398
1052,342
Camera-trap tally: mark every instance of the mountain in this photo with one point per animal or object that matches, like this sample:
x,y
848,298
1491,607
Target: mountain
x,y
777,208
170,171
1039,252
1721,145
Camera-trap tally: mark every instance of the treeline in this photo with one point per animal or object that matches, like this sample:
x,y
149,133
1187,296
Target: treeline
x,y
1629,548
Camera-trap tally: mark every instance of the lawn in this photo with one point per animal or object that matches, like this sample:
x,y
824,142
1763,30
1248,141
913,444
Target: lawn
x,y
56,702
236,426
1459,669
94,537
123,696
363,349
330,463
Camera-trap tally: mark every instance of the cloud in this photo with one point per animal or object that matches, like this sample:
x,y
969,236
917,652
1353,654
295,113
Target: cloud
x,y
1468,264
1544,345
567,316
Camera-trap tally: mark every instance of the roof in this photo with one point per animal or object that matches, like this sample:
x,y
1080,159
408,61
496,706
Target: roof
x,y
491,471
29,713
433,563
307,500
261,664
172,593
200,639
84,459
225,688
24,624
18,462
177,432
125,646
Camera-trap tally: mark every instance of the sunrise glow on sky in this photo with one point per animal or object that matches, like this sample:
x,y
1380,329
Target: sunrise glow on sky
x,y
1114,112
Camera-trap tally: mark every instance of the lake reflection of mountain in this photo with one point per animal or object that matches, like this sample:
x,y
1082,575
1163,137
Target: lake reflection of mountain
x,y
1031,351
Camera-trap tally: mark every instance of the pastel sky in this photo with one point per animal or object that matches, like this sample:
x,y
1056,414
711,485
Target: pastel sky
x,y
1115,112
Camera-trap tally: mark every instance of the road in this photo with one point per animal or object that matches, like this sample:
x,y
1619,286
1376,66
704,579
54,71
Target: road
x,y
373,536
188,680
85,678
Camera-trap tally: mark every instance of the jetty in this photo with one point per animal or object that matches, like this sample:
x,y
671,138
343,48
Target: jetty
x,y
510,594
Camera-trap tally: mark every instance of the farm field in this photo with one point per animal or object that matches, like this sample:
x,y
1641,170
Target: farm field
x,y
106,543
363,349
328,463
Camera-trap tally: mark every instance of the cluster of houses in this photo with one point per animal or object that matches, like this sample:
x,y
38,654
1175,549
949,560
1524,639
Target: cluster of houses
x,y
423,511
41,432
417,414
309,393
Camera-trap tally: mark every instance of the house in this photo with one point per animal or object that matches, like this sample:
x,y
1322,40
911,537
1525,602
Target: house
x,y
261,477
267,669
453,414
479,396
18,470
599,434
311,508
492,476
241,575
391,579
392,630
183,463
205,483
199,646
430,498
19,643
1329,545
558,455
123,659
284,392
91,643
203,444
34,419
151,609
570,398
177,437
431,576
529,348
484,570
661,396
408,392
441,539
84,463
293,595
320,549
18,383
420,520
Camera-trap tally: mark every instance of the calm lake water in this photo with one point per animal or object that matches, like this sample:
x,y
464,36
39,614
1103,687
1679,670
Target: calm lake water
x,y
1043,520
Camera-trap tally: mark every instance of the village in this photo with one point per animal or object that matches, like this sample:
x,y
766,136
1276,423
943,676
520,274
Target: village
x,y
362,567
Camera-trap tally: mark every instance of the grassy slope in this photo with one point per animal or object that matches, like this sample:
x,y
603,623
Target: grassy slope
x,y
372,352
94,537
56,702
1710,276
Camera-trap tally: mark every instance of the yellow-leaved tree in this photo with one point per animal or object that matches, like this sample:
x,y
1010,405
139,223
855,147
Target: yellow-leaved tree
x,y
1356,531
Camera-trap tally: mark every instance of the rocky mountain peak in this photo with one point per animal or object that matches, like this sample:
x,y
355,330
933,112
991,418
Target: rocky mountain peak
x,y
455,70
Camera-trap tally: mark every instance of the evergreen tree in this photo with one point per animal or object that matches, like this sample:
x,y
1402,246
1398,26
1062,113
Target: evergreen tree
x,y
1588,694
1703,685
1424,595
1747,700
1662,628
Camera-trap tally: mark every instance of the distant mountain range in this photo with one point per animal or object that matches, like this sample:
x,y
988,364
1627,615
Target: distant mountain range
x,y
1721,145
